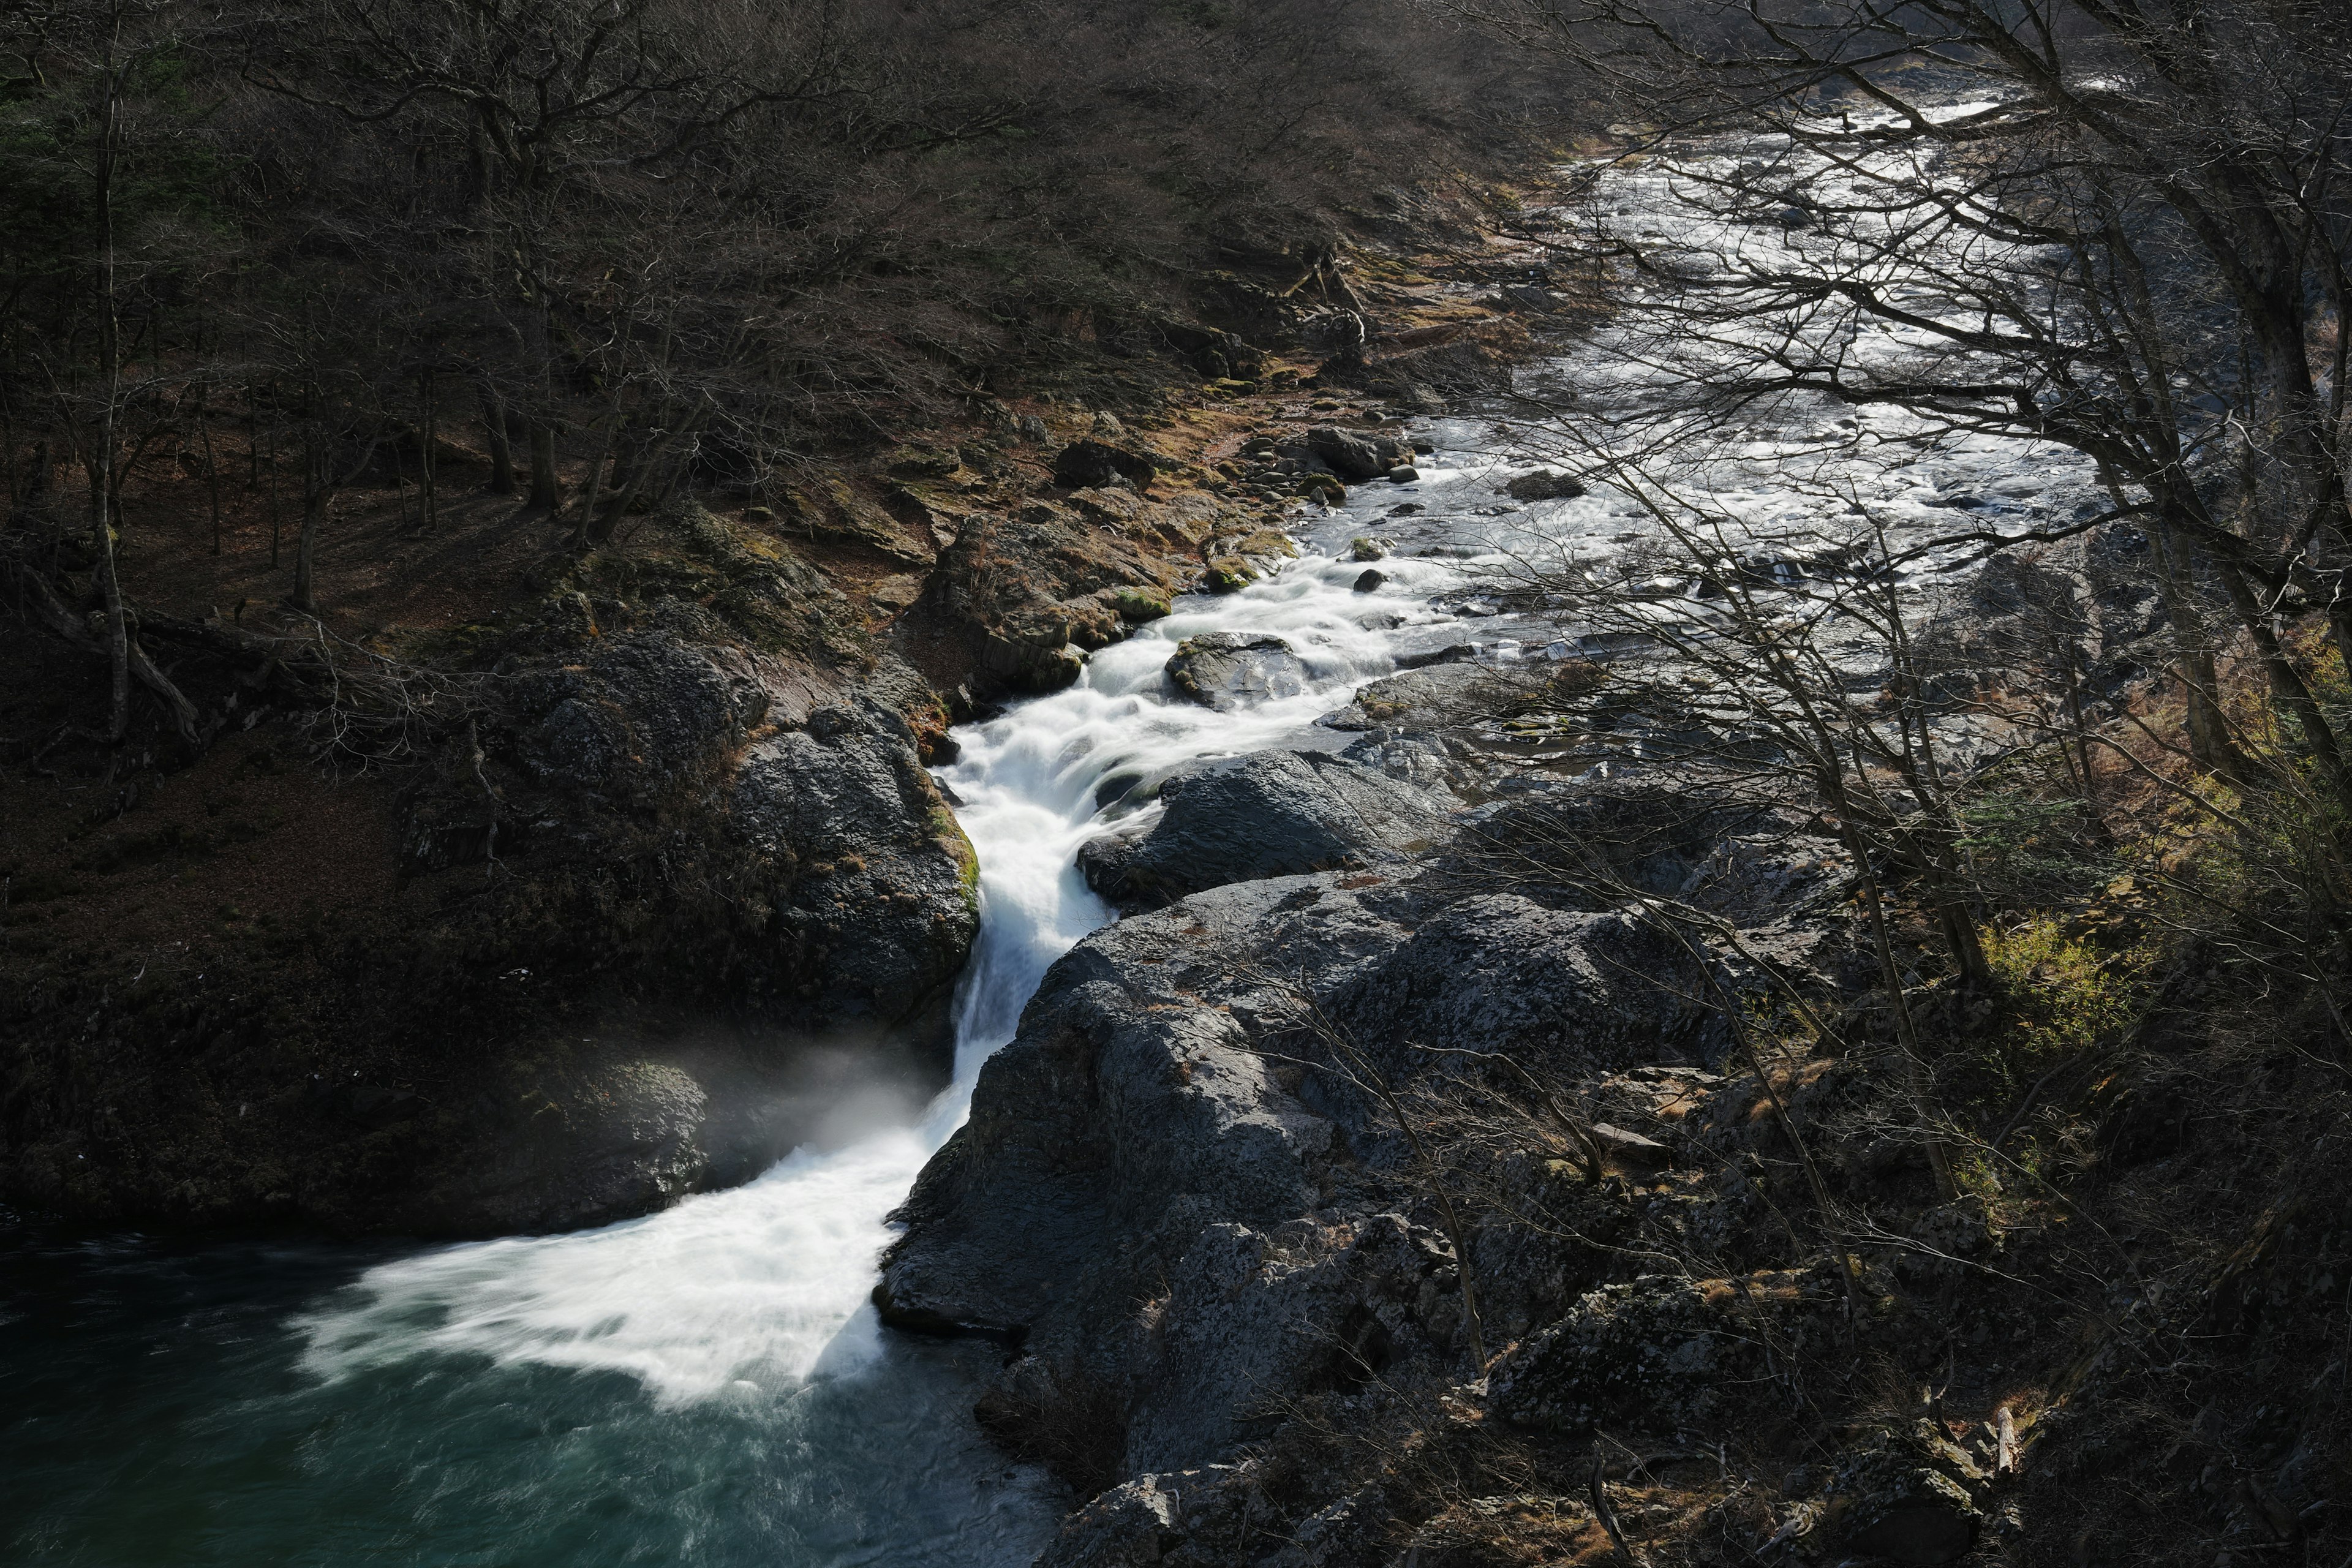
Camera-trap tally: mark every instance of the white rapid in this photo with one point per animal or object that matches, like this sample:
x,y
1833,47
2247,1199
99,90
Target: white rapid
x,y
755,1299
764,1285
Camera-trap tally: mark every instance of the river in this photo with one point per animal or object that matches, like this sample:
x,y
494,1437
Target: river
x,y
708,1384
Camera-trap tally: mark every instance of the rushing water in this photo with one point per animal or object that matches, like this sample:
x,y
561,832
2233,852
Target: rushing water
x,y
708,1384
705,1385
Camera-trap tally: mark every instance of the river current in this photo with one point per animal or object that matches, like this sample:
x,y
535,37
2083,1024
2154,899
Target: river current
x,y
709,1384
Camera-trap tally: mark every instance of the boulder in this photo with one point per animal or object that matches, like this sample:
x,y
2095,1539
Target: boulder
x,y
1419,700
874,905
645,711
1354,455
1369,581
1146,1198
1544,485
1084,465
1269,814
1657,1354
1906,1493
1226,671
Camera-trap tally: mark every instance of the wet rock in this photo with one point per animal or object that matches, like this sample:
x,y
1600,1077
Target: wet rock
x,y
1544,485
1086,464
1032,650
1429,699
1404,474
1226,671
623,1139
1369,581
1269,814
1353,455
1364,547
1227,574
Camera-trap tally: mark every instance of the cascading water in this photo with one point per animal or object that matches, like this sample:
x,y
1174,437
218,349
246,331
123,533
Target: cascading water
x,y
708,1384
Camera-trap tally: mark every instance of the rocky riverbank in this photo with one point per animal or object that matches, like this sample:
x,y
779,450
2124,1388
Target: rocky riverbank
x,y
634,863
1399,1182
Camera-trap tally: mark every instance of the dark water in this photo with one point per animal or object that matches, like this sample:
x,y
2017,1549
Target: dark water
x,y
157,1408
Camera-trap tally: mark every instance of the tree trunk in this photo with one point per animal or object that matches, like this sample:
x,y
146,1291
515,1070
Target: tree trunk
x,y
546,494
315,496
2209,734
211,468
276,516
101,461
428,496
494,427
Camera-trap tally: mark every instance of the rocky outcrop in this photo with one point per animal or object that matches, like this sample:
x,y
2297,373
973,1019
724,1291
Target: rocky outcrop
x,y
1273,813
1171,1192
1225,670
1083,465
1356,454
874,905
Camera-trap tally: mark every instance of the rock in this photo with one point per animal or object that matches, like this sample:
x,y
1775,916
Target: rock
x,y
1656,1353
1367,581
1906,1494
1426,699
875,905
1225,670
1631,1151
1544,485
1138,605
1352,455
1227,574
1031,650
1269,814
2009,583
1141,1197
1365,548
1130,1146
1404,474
644,712
1085,464
1324,487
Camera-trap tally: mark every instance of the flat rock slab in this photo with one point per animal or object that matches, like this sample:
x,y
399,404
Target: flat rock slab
x,y
1226,671
1269,814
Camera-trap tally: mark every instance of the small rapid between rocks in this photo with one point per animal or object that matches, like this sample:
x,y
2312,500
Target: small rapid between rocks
x,y
710,1383
706,1384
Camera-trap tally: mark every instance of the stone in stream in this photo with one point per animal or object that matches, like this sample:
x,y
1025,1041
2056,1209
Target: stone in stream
x,y
1273,813
1226,671
1353,455
1404,474
1367,581
1544,485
